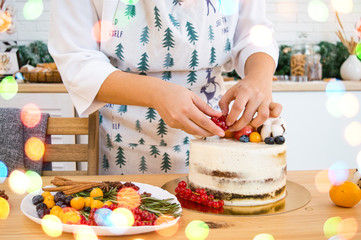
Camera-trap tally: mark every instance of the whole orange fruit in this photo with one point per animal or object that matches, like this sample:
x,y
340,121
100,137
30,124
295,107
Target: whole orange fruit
x,y
347,194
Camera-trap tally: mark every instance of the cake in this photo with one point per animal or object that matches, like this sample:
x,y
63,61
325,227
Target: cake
x,y
239,173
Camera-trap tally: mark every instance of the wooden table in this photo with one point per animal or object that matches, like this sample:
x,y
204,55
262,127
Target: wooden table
x,y
302,224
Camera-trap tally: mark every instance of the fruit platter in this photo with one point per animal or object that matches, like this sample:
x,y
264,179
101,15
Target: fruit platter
x,y
108,208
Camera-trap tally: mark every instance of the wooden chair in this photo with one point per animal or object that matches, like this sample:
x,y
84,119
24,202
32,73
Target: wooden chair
x,y
74,152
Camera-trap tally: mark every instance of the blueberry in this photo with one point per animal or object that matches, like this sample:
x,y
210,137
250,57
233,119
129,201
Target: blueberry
x,y
59,196
68,199
37,199
64,206
41,206
59,203
269,140
244,138
43,212
280,140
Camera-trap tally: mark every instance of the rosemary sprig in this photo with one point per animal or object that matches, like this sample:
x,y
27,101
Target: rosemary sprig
x,y
159,206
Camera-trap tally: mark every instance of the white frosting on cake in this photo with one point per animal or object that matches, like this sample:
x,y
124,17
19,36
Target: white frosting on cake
x,y
256,171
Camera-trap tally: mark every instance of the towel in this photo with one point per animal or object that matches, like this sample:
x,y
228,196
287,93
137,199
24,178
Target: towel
x,y
13,136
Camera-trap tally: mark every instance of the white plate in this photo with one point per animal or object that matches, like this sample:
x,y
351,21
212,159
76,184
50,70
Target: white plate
x,y
29,210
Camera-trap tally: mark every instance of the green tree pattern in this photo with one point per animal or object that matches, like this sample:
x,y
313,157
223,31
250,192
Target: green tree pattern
x,y
162,143
122,109
168,41
191,33
154,151
162,128
138,127
144,38
210,33
109,143
133,145
227,47
166,164
100,119
119,52
105,162
176,148
175,2
120,159
168,61
191,77
141,141
186,141
212,58
166,75
143,167
158,21
193,63
151,114
143,64
118,138
174,21
130,10
187,158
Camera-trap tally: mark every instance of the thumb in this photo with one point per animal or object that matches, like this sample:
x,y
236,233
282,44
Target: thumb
x,y
205,108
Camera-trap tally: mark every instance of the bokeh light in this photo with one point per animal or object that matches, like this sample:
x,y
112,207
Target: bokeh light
x,y
197,230
30,115
33,9
335,87
263,236
128,198
169,231
52,225
122,217
4,209
227,8
318,11
358,51
85,233
349,105
102,217
101,31
347,228
261,36
343,6
322,181
330,226
333,105
353,133
8,88
338,173
34,148
3,172
18,182
35,181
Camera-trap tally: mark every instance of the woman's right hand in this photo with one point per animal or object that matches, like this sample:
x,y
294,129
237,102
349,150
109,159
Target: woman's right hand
x,y
181,108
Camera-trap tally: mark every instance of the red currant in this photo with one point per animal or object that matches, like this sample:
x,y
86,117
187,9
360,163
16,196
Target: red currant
x,y
221,202
210,196
220,122
177,190
182,184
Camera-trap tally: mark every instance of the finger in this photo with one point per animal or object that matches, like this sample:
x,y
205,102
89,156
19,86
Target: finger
x,y
275,109
236,110
225,101
194,129
204,122
246,117
262,115
205,108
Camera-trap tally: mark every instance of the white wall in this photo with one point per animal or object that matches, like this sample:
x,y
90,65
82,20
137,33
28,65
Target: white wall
x,y
290,19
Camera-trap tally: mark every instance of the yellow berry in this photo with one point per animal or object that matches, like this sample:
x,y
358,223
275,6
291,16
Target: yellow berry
x,y
255,137
96,204
49,201
108,203
46,193
77,203
96,193
88,201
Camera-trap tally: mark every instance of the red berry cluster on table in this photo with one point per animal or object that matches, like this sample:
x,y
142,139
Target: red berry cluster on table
x,y
200,196
271,132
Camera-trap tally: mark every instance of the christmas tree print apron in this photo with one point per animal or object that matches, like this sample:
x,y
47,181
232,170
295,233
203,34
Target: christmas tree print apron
x,y
185,43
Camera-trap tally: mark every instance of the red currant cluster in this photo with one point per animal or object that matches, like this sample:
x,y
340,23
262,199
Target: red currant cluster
x,y
199,196
220,122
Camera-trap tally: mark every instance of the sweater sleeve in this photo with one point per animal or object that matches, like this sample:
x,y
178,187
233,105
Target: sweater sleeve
x,y
251,14
83,67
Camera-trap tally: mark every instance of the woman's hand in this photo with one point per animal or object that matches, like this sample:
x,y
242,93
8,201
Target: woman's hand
x,y
181,108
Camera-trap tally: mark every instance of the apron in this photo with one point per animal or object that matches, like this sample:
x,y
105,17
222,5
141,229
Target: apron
x,y
185,43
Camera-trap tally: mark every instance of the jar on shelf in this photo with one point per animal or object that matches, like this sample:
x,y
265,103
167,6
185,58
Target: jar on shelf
x,y
299,55
314,67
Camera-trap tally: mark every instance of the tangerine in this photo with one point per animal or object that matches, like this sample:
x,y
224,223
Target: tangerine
x,y
347,194
96,193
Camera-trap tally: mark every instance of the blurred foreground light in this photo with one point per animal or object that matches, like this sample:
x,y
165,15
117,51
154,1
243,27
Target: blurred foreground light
x,y
330,226
197,230
358,51
33,9
335,87
343,6
101,31
52,225
102,217
353,133
8,88
318,11
261,36
85,233
34,148
263,236
227,8
128,198
4,209
3,171
30,115
35,181
322,181
122,217
338,173
349,105
347,228
18,182
333,105
169,231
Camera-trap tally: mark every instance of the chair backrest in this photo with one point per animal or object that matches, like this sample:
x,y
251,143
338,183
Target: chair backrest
x,y
74,152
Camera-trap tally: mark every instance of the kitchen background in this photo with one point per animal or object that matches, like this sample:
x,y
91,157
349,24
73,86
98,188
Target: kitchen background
x,y
320,123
